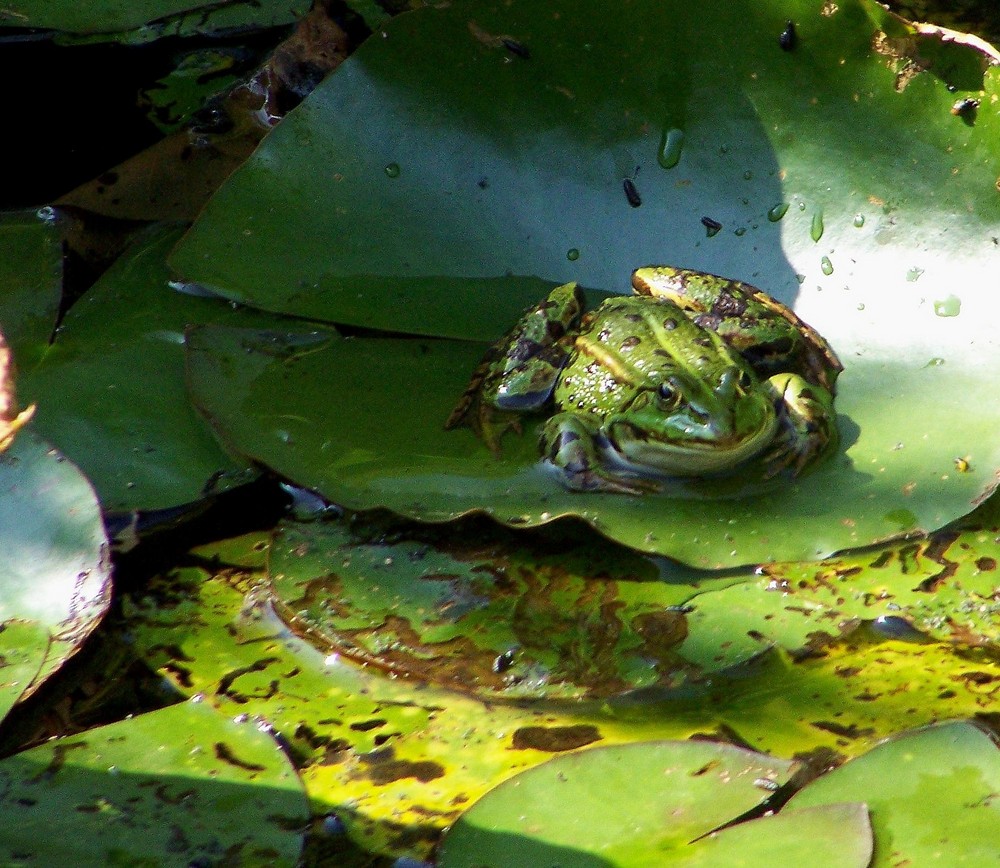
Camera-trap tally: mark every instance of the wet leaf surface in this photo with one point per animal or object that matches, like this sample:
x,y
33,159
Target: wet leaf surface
x,y
932,795
55,576
179,786
503,172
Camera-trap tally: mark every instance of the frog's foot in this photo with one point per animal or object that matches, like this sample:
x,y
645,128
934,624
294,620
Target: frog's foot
x,y
807,425
574,448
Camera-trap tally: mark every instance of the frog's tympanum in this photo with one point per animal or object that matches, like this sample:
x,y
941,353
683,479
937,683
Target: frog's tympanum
x,y
693,375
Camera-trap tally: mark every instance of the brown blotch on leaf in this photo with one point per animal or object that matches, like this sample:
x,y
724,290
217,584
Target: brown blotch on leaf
x,y
554,738
383,768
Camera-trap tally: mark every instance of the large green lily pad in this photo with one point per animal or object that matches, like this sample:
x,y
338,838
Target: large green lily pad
x,y
181,786
55,575
443,199
932,796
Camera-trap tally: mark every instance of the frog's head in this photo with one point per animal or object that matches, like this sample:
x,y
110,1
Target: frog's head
x,y
688,425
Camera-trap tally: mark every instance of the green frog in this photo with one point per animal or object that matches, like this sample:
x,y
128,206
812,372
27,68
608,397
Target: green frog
x,y
692,375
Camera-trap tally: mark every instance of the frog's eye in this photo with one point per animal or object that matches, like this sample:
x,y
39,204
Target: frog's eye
x,y
667,391
745,381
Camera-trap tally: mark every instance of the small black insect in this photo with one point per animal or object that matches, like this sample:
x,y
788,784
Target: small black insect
x,y
515,47
631,193
712,226
965,109
503,661
788,37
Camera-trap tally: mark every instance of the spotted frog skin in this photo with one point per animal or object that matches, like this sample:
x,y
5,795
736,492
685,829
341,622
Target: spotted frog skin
x,y
692,375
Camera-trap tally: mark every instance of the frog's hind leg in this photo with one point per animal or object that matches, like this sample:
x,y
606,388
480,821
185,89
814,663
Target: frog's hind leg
x,y
573,449
807,424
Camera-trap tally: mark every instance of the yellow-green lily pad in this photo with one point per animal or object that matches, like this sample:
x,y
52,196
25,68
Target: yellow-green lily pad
x,y
441,201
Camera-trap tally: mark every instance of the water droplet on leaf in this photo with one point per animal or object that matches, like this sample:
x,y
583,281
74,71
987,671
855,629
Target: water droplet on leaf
x,y
950,306
816,229
777,212
671,145
392,170
826,265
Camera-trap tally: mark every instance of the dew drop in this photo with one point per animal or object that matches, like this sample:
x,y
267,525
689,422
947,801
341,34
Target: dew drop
x,y
950,306
859,220
777,212
936,362
671,144
802,206
740,232
913,274
572,254
826,265
816,229
747,175
861,305
392,170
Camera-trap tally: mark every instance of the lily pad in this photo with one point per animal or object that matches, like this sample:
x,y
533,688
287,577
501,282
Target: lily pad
x,y
55,577
560,813
30,281
180,786
931,793
443,200
180,17
110,390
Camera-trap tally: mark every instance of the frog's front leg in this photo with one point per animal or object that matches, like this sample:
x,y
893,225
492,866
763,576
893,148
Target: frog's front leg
x,y
517,374
572,444
807,424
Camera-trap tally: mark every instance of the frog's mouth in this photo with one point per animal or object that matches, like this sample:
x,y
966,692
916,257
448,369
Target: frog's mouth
x,y
693,456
